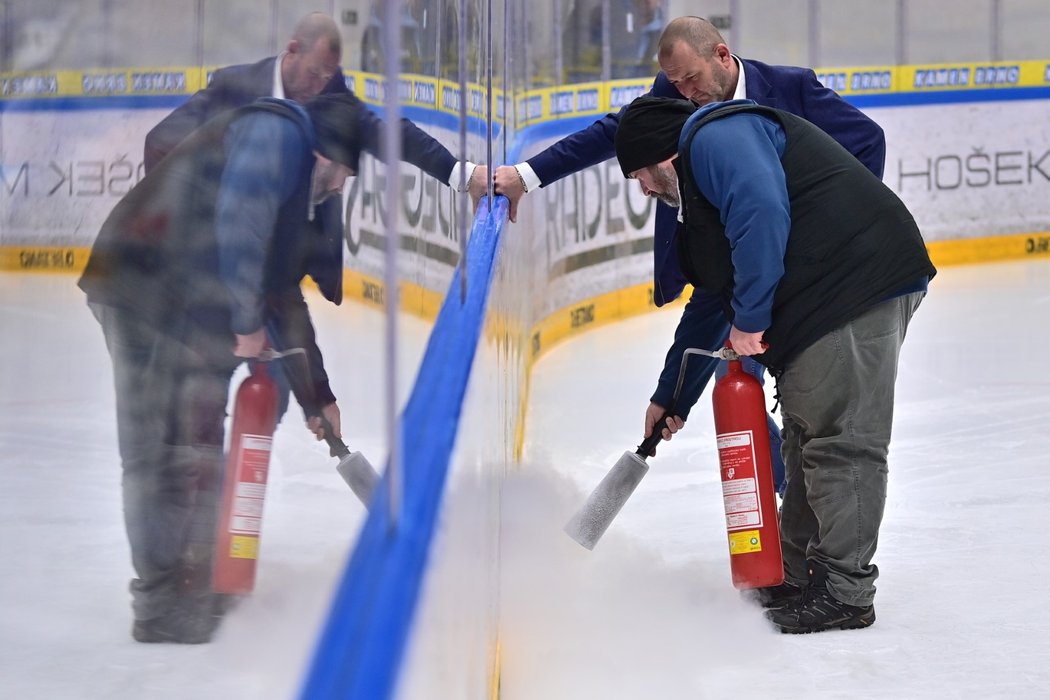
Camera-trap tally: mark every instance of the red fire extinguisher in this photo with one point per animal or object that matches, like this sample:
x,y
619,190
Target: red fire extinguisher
x,y
247,467
747,480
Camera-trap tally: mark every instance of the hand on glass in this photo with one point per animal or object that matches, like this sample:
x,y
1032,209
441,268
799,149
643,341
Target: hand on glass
x,y
507,182
478,186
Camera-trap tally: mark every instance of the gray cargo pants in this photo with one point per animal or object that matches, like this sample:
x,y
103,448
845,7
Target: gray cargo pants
x,y
837,407
171,404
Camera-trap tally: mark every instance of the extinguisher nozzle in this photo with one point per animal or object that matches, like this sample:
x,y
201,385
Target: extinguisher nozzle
x,y
359,475
605,502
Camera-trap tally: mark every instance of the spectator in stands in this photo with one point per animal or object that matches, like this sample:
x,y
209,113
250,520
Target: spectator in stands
x,y
820,295
651,21
698,65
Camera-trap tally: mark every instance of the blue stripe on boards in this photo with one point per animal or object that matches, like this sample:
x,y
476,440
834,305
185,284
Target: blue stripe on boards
x,y
422,116
553,127
80,104
359,653
909,99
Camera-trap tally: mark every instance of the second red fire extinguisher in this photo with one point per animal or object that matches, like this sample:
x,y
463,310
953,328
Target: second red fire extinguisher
x,y
244,486
747,480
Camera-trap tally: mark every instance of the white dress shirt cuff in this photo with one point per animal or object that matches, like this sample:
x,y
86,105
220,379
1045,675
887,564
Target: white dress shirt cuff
x,y
453,178
528,176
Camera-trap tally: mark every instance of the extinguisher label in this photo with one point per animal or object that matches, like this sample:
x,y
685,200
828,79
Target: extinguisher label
x,y
239,523
245,490
251,507
736,455
253,463
745,542
242,547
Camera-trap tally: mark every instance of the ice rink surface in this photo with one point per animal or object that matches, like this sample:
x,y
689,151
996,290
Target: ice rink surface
x,y
650,613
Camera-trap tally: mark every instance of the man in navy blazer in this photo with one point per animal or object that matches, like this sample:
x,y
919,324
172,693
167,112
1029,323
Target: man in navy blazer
x,y
697,64
697,61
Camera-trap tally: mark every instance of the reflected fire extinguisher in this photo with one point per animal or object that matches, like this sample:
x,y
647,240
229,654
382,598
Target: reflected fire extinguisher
x,y
752,521
247,468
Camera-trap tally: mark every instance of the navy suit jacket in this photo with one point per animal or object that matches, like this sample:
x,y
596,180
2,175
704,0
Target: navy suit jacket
x,y
230,88
237,86
792,89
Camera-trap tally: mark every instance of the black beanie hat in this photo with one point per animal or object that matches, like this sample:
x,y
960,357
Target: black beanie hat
x,y
649,130
335,118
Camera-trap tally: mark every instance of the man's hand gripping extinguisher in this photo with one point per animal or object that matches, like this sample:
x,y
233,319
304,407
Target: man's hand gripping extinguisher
x,y
748,496
244,486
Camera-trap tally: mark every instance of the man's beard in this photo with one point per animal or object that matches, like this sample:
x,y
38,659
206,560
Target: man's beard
x,y
319,197
666,187
670,199
320,177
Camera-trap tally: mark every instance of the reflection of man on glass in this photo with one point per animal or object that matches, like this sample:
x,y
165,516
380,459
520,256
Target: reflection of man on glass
x,y
192,270
307,67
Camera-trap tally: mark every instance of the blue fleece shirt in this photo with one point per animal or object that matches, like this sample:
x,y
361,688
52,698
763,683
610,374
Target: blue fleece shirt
x,y
257,181
736,166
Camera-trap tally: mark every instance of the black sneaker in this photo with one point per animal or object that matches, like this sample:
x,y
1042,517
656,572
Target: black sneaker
x,y
192,620
775,596
818,611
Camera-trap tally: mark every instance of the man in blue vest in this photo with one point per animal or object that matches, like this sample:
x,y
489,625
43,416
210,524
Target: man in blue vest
x,y
698,66
818,267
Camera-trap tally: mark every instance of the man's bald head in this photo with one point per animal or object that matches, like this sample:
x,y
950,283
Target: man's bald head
x,y
312,57
315,27
696,32
695,58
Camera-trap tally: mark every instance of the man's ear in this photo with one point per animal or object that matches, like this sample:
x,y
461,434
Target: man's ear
x,y
293,46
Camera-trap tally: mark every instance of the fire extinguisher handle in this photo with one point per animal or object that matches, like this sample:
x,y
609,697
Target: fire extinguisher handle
x,y
649,443
337,446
